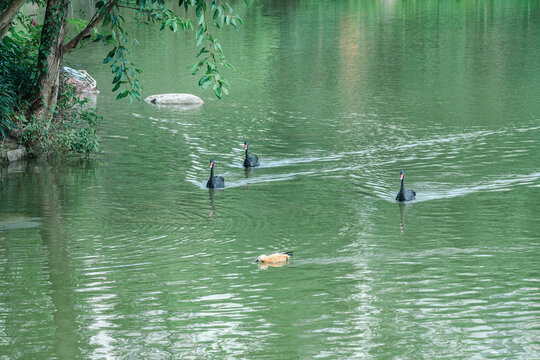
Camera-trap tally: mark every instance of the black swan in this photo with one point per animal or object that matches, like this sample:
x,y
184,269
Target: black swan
x,y
250,161
405,194
214,181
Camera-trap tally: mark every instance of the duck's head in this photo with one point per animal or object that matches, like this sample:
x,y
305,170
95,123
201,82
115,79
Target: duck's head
x,y
261,258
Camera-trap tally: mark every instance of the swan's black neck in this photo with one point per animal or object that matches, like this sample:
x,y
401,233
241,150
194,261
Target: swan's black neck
x,y
247,152
403,184
212,173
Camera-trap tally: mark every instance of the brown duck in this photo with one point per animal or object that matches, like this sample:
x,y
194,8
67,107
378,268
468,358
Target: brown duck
x,y
274,258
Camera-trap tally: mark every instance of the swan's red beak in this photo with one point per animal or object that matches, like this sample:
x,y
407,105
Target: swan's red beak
x,y
400,176
245,146
211,164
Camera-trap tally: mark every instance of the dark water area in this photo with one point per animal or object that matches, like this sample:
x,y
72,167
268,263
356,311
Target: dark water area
x,y
128,255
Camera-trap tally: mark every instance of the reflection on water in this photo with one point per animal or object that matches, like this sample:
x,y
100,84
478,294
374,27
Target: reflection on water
x,y
402,217
178,107
128,254
16,221
264,266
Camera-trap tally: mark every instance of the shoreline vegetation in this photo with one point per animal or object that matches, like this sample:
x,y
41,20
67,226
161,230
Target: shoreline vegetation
x,y
41,114
68,128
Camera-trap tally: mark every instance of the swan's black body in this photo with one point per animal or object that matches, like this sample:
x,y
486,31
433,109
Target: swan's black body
x,y
250,161
405,194
214,182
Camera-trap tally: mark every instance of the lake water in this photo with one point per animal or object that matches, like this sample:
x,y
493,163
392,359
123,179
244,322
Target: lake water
x,y
128,255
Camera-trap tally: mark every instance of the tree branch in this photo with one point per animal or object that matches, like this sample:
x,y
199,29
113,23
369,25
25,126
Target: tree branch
x,y
85,33
6,18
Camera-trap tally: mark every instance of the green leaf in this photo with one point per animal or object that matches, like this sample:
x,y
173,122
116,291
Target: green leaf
x,y
218,48
217,91
112,52
200,40
122,94
206,84
203,80
226,82
117,78
116,87
202,51
106,20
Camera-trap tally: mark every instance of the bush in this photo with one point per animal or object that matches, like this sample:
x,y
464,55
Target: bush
x,y
7,104
18,72
73,128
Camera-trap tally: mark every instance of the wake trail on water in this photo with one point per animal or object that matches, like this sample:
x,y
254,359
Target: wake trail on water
x,y
503,183
365,165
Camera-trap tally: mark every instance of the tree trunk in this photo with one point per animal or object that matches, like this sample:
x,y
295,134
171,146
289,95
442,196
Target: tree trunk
x,y
50,59
6,18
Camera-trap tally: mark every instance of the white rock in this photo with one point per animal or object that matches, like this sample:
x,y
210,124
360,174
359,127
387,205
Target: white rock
x,y
174,99
14,155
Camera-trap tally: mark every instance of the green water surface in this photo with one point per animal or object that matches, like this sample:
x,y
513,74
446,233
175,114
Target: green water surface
x,y
127,254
